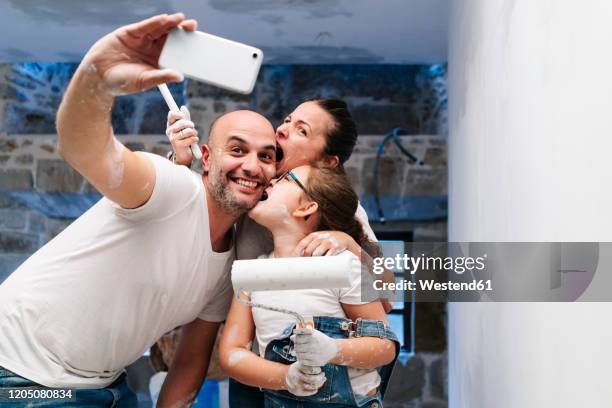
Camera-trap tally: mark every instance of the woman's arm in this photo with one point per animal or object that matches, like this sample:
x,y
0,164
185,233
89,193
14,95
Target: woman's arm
x,y
317,349
365,352
238,361
321,243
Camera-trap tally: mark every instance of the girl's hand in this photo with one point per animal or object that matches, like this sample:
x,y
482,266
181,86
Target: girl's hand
x,y
320,243
302,381
314,348
182,133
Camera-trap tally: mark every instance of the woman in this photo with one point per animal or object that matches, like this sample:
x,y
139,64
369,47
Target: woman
x,y
354,370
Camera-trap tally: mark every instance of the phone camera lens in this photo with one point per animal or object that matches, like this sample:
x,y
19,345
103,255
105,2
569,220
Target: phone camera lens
x,y
254,55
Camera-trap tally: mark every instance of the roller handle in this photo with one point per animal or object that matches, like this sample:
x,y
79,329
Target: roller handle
x,y
307,330
163,88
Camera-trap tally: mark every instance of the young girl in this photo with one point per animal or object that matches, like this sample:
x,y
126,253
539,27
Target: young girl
x,y
352,342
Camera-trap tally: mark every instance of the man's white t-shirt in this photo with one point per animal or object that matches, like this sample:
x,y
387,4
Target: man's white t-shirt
x,y
94,298
270,325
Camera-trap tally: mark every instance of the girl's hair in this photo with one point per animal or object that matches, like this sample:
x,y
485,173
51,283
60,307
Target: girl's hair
x,y
341,139
331,189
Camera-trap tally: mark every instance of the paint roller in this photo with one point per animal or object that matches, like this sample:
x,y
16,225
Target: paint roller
x,y
317,272
163,88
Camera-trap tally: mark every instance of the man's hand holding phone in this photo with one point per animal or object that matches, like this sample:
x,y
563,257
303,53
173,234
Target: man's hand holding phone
x,y
126,59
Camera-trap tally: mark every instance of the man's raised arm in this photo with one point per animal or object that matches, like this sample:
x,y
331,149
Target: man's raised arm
x,y
122,62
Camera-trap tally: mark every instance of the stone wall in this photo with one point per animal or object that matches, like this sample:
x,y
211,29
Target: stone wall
x,y
40,194
380,97
32,173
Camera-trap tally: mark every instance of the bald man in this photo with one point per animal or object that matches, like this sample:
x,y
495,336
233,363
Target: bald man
x,y
153,254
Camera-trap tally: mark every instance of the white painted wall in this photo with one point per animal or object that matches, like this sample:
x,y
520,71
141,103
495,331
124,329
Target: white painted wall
x,y
530,147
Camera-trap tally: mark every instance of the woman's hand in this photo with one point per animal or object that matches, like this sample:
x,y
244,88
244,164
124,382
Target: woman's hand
x,y
321,243
304,381
332,243
182,133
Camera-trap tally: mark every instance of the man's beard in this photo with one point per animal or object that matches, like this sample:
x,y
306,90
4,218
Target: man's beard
x,y
223,194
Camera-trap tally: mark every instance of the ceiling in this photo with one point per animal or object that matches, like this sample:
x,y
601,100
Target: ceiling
x,y
288,31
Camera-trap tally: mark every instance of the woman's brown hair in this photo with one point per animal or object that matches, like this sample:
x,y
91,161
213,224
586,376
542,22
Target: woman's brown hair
x,y
342,137
331,189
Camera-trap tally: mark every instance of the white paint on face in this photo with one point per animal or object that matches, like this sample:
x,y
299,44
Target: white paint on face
x,y
114,155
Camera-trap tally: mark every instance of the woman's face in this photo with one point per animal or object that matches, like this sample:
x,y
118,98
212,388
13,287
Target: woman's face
x,y
302,136
284,196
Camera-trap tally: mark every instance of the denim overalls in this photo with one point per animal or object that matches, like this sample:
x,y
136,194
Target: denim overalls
x,y
337,390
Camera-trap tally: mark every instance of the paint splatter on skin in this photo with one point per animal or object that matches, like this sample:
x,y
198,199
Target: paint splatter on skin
x,y
232,333
237,356
332,246
99,91
114,155
91,68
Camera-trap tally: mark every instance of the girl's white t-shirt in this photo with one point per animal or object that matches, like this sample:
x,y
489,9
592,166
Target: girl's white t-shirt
x,y
270,325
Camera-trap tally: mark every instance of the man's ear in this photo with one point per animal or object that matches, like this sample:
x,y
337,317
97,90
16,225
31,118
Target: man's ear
x,y
306,210
331,161
206,158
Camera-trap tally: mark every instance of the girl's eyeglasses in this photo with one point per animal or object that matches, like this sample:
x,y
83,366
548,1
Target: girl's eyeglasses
x,y
290,174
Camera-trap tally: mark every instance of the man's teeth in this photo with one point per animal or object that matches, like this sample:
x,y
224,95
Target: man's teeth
x,y
251,184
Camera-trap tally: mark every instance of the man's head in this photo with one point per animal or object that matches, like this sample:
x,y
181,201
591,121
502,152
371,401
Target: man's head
x,y
318,130
239,159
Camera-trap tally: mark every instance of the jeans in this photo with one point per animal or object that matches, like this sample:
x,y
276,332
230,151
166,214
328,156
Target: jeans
x,y
337,390
116,395
241,396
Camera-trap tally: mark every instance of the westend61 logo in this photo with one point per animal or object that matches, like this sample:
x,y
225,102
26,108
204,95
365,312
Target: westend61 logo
x,y
414,264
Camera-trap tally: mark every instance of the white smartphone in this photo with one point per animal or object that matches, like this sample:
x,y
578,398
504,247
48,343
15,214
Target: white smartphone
x,y
211,59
